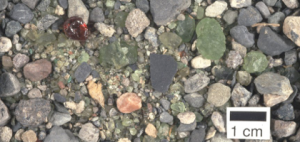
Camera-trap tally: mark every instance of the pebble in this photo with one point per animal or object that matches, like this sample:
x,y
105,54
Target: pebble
x,y
106,30
43,5
194,99
63,3
186,117
89,133
97,15
270,2
162,70
220,138
19,134
291,28
124,140
263,9
32,112
151,36
12,27
285,112
136,22
77,8
5,134
244,78
59,118
282,129
5,116
183,134
142,5
165,103
241,35
240,96
37,70
151,130
196,83
249,16
216,9
166,11
21,13
129,102
9,85
230,16
5,44
198,135
3,4
239,48
29,136
59,98
186,127
181,17
82,72
30,3
272,43
234,59
277,18
58,134
20,60
218,121
218,94
254,100
199,62
165,117
210,133
35,93
290,57
7,62
273,99
46,22
292,4
240,3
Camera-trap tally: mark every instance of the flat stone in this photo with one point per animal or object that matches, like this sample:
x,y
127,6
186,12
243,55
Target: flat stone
x,y
241,35
3,4
166,11
218,121
143,5
30,3
34,93
37,70
285,112
12,27
151,130
165,103
249,16
218,94
89,133
230,16
82,72
5,116
196,83
165,117
292,4
240,3
244,78
20,60
186,117
234,59
21,13
136,22
43,5
186,127
282,129
270,2
215,9
211,132
263,9
277,18
272,43
291,28
195,100
97,15
290,57
29,136
106,30
5,134
59,118
199,62
240,96
32,112
9,85
59,134
77,8
162,71
198,135
129,102
46,22
5,44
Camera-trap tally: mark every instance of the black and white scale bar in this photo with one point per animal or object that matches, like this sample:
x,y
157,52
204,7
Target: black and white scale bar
x,y
248,116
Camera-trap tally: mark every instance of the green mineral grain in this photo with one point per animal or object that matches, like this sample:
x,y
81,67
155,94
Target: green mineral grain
x,y
163,130
185,29
170,40
255,61
211,39
127,122
110,3
200,12
45,39
133,131
84,57
178,107
120,19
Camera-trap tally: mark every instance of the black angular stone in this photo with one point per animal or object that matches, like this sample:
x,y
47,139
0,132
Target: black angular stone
x,y
21,13
82,72
285,112
162,71
9,85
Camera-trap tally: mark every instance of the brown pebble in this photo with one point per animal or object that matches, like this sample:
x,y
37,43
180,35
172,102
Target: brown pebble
x,y
129,102
7,62
38,70
61,85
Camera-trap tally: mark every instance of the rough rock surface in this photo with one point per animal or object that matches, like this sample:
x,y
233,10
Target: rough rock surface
x,y
136,22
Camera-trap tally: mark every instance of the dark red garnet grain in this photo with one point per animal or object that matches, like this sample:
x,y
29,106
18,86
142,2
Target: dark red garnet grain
x,y
76,29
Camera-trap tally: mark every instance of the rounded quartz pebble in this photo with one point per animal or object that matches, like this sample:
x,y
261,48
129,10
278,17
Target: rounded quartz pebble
x,y
186,117
76,29
129,102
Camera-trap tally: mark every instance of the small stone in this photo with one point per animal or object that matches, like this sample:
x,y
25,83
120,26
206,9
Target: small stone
x,y
234,59
199,62
43,5
37,70
58,11
274,99
3,4
29,136
165,117
151,130
143,5
106,30
200,12
46,22
136,22
292,4
239,48
263,9
290,57
181,17
240,96
19,134
162,71
186,117
63,3
5,134
59,134
183,134
218,94
20,60
30,3
230,16
220,138
77,8
272,43
151,36
285,112
210,133
244,78
5,44
240,3
255,61
124,140
12,27
7,62
195,100
35,93
218,121
282,129
196,83
270,2
254,100
276,18
95,91
216,9
170,40
59,118
242,36
89,133
165,103
97,15
129,102
9,85
82,72
35,111
249,16
198,135
291,28
21,13
186,127
5,116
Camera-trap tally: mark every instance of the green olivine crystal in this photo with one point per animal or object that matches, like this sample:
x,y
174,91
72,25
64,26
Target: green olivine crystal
x,y
255,61
84,57
170,40
120,19
200,12
178,107
185,29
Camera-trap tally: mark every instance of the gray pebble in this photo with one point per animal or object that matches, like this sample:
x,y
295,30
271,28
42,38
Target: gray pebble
x,y
21,13
46,22
240,96
196,83
30,3
230,16
44,4
34,93
58,134
143,5
3,4
290,57
276,18
249,16
186,127
165,117
59,118
12,27
63,3
263,9
195,100
97,15
285,112
82,72
165,103
59,98
198,135
270,2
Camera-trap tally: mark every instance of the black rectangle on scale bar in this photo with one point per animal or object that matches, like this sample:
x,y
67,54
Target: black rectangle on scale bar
x,y
248,116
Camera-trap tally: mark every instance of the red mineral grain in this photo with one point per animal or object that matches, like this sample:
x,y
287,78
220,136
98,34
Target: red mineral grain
x,y
76,29
129,102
